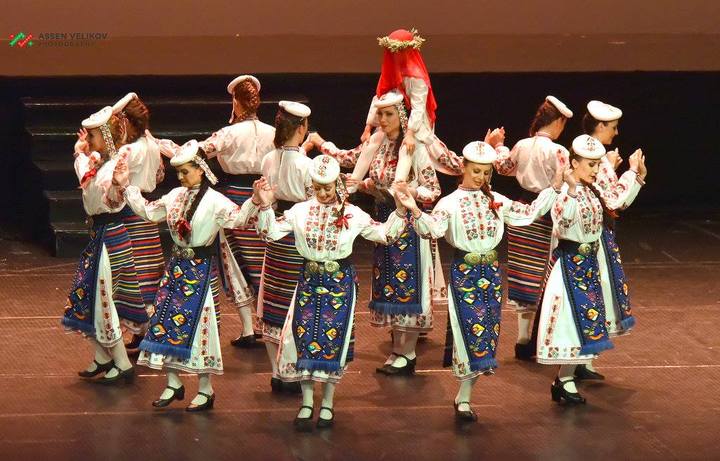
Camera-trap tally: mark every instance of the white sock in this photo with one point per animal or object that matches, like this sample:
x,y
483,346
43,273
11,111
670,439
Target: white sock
x,y
566,374
246,318
589,366
173,380
120,357
204,386
307,388
408,345
101,356
465,394
525,324
327,400
272,350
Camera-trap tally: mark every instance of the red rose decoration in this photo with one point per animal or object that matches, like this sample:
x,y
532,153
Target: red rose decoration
x,y
183,228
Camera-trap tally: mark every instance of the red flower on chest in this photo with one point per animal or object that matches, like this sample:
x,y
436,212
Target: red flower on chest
x,y
183,228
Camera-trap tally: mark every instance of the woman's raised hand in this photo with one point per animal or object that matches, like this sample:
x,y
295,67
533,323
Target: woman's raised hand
x,y
637,163
263,193
615,159
404,198
366,134
409,142
81,145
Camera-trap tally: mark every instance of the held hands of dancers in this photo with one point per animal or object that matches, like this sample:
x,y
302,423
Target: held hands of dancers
x,y
404,199
570,180
314,140
614,157
263,194
495,137
637,164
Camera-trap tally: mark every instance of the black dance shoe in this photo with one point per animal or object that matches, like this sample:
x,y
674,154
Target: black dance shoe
x,y
525,352
244,342
99,368
559,393
276,385
209,403
304,424
178,394
123,375
323,423
583,373
406,370
292,387
464,416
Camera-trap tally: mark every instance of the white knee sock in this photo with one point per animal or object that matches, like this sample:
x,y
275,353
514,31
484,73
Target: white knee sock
x,y
397,338
246,318
120,357
307,388
407,348
173,381
589,366
465,394
204,386
272,350
566,373
525,324
327,400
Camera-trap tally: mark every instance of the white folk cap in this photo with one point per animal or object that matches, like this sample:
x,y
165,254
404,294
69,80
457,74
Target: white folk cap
x,y
559,105
479,152
295,108
231,86
99,118
588,147
391,98
324,169
603,112
189,153
120,105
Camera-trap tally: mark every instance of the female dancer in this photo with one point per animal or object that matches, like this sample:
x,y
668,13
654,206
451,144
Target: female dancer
x,y
533,161
146,171
316,341
601,122
472,220
183,334
572,328
105,291
287,169
402,271
239,148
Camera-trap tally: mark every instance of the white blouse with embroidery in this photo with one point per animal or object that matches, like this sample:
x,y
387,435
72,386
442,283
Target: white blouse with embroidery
x,y
418,119
145,163
466,220
214,212
289,169
378,157
533,161
239,147
95,194
618,193
318,234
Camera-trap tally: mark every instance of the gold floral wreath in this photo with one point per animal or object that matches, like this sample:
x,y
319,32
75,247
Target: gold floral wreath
x,y
397,45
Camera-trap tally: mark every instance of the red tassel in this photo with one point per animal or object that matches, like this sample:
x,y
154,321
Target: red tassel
x,y
183,228
495,205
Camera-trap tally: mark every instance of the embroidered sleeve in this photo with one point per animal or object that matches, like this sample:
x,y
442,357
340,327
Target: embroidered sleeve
x,y
270,229
385,233
433,225
447,161
428,189
230,216
617,193
506,163
346,158
418,92
523,214
218,143
150,211
82,165
167,147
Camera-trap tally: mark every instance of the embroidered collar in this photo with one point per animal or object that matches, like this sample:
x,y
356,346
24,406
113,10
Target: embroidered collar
x,y
543,134
295,148
469,189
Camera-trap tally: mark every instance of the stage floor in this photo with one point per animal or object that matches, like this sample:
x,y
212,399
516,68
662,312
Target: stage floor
x,y
658,401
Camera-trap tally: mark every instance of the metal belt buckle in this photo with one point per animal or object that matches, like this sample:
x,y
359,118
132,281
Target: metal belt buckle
x,y
585,249
331,267
491,256
313,267
473,258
